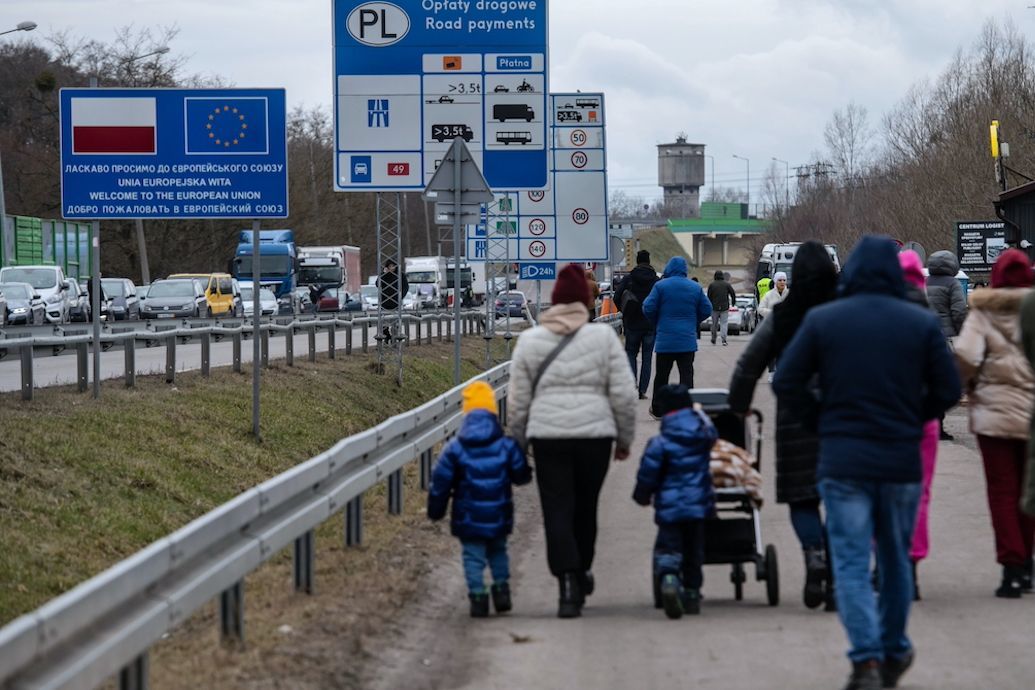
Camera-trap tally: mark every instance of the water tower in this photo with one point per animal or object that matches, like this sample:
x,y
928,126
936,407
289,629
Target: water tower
x,y
681,176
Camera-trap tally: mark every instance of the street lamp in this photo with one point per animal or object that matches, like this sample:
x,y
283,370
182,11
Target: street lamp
x,y
748,161
786,181
22,26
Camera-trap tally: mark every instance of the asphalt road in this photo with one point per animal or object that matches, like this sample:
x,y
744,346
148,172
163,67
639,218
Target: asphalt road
x,y
965,638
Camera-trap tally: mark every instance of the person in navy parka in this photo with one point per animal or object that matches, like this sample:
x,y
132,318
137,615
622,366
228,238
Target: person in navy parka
x,y
675,472
476,470
675,306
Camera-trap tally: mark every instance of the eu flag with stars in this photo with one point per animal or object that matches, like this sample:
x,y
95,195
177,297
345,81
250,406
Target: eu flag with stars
x,y
227,126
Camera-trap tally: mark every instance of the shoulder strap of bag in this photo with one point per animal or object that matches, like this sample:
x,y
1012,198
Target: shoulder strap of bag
x,y
550,357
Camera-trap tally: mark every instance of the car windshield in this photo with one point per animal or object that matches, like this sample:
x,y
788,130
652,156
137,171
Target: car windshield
x,y
113,288
368,291
744,301
38,278
14,291
246,293
426,290
269,266
267,296
513,297
172,288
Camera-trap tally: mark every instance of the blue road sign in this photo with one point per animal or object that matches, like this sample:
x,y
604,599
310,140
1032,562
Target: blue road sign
x,y
538,271
412,75
173,153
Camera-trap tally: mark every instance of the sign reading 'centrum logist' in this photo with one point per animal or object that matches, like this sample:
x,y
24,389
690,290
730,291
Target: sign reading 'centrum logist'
x,y
413,75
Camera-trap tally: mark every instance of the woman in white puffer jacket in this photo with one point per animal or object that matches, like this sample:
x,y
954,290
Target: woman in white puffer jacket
x,y
584,404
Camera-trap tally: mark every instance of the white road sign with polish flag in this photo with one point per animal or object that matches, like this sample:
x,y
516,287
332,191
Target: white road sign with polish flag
x,y
114,126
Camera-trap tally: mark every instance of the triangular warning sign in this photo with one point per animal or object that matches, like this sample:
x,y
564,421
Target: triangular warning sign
x,y
473,187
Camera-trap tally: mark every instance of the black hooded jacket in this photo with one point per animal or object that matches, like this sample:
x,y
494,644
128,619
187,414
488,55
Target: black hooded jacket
x,y
640,282
884,369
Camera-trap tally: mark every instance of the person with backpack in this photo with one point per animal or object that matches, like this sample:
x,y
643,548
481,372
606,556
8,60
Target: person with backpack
x,y
639,331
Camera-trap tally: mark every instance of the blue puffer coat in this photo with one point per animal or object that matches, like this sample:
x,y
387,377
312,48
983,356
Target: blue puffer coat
x,y
676,306
477,469
674,469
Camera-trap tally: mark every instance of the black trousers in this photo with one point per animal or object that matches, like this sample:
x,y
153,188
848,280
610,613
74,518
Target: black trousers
x,y
570,474
679,550
684,361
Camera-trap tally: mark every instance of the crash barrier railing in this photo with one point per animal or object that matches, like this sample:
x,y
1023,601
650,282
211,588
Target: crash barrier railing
x,y
106,625
159,333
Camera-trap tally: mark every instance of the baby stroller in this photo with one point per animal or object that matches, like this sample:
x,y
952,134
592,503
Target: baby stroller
x,y
734,534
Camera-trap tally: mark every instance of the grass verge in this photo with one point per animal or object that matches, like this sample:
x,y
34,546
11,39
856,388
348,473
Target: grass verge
x,y
662,245
85,483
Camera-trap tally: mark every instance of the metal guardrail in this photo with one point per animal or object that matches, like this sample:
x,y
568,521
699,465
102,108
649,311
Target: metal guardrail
x,y
106,625
159,333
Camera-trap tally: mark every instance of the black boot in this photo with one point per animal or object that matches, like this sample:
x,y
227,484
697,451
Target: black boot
x,y
501,597
1011,587
815,574
586,586
672,596
894,668
1026,578
479,605
692,601
916,584
568,604
865,676
830,599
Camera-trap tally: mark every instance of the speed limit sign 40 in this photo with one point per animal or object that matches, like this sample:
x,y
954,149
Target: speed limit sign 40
x,y
580,216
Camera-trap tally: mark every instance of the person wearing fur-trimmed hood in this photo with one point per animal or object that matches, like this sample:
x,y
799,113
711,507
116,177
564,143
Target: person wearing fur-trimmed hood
x,y
1001,388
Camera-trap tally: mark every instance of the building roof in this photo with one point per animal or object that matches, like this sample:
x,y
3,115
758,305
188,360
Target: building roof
x,y
1018,191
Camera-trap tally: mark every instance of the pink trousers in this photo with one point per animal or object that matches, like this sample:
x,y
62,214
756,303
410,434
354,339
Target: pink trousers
x,y
928,456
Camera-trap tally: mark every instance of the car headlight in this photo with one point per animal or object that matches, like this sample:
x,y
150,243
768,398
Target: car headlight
x,y
19,310
53,299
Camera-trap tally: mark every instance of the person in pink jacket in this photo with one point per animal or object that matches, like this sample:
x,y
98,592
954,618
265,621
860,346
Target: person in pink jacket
x,y
912,268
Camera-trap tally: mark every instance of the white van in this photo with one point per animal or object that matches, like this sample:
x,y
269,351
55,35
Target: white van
x,y
777,258
49,282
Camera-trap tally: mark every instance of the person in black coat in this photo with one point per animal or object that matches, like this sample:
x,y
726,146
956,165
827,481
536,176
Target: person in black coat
x,y
392,286
639,332
797,449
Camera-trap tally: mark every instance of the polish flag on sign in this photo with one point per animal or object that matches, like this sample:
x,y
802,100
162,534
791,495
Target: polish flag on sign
x,y
113,126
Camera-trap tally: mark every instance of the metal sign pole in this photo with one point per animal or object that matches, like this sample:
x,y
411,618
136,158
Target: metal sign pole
x,y
256,339
457,198
95,303
401,333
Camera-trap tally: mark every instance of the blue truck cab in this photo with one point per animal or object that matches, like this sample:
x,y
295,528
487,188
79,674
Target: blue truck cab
x,y
278,264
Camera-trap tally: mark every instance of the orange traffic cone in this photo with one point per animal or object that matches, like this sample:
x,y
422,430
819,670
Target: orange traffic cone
x,y
607,307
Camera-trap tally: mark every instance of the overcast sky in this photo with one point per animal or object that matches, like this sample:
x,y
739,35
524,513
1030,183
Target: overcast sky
x,y
757,78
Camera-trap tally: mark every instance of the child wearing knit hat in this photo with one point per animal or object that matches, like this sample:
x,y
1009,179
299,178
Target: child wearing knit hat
x,y
476,470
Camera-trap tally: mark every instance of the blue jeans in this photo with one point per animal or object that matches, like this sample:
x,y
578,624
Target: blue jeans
x,y
861,516
637,342
477,553
679,550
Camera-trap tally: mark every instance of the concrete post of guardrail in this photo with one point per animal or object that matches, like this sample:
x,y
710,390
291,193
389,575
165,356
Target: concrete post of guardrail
x,y
27,383
170,359
425,470
206,354
289,346
348,340
135,676
449,331
231,613
354,521
395,493
305,561
439,322
82,356
312,343
237,337
366,337
264,337
330,341
130,356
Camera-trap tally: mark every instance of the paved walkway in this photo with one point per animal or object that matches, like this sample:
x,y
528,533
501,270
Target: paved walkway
x,y
965,638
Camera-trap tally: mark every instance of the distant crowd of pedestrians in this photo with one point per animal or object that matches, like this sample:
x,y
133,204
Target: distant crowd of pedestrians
x,y
867,362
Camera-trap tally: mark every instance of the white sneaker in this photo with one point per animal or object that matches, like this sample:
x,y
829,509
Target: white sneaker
x,y
770,377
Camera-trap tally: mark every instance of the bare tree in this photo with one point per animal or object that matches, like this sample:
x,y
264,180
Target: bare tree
x,y
848,138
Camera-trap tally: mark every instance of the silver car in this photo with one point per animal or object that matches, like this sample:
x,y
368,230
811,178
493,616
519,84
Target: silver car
x,y
48,281
174,298
24,305
267,301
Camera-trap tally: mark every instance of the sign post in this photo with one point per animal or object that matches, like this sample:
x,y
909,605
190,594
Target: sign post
x,y
130,154
457,184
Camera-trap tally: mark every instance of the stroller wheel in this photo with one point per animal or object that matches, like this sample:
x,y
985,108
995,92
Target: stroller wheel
x,y
737,577
772,576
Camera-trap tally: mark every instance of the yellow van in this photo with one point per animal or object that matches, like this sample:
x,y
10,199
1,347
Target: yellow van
x,y
221,292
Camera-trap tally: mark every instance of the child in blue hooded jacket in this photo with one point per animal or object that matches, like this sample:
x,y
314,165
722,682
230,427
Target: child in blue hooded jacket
x,y
674,472
476,470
